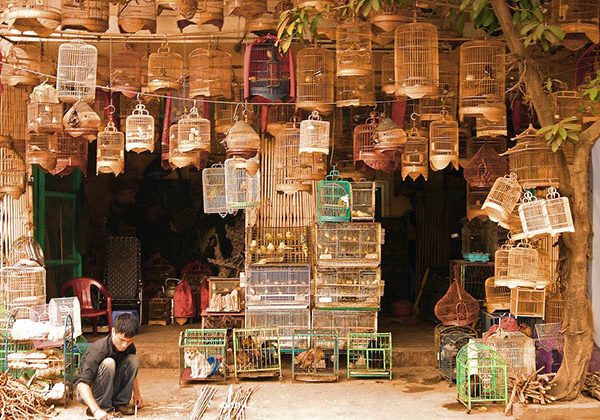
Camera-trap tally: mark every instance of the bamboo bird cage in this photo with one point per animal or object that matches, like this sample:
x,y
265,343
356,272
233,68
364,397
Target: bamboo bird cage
x,y
534,217
39,16
354,55
242,183
497,298
389,16
187,8
482,80
103,68
475,199
165,71
355,91
277,117
362,200
208,12
193,132
71,153
211,73
390,138
555,307
415,159
475,143
242,140
314,135
139,130
503,198
485,167
264,24
388,76
21,65
126,75
12,170
44,111
364,137
110,152
416,60
559,214
23,285
137,15
81,121
527,302
248,9
296,166
523,263
181,159
213,190
76,72
315,78
443,144
487,128
571,103
40,149
577,18
501,276
86,15
431,107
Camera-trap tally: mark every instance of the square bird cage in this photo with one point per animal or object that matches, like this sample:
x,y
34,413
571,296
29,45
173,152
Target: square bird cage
x,y
349,244
242,184
344,322
472,276
256,352
369,355
496,297
527,302
277,245
22,285
450,345
348,287
333,199
285,319
202,355
362,200
278,286
502,198
213,190
315,356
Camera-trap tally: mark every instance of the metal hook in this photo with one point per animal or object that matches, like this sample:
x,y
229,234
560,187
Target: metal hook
x,y
111,109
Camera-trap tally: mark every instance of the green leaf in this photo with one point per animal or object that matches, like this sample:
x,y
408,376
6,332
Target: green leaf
x,y
527,28
556,31
489,17
367,9
573,136
291,30
545,129
538,32
556,146
286,44
315,24
375,4
562,133
282,27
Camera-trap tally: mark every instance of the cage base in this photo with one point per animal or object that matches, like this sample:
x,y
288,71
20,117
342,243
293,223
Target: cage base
x,y
186,377
317,377
258,374
366,373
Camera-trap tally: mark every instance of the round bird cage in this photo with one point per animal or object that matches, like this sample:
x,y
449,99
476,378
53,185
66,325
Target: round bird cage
x,y
242,140
333,199
277,118
364,137
415,159
139,130
443,144
85,15
209,12
390,138
355,91
39,16
211,73
485,167
482,80
248,9
534,218
137,15
165,71
71,153
353,49
242,183
193,132
110,155
40,149
559,214
44,111
12,170
578,19
457,307
503,198
314,135
432,107
264,24
181,159
20,63
81,121
388,74
315,78
497,298
570,103
126,76
416,60
76,72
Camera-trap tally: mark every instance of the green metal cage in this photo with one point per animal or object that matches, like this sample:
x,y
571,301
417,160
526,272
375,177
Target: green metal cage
x,y
315,356
256,352
333,199
202,355
481,375
369,355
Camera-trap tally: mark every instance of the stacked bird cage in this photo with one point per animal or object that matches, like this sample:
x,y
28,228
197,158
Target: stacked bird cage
x,y
315,77
139,130
12,170
44,111
450,345
256,352
242,183
287,320
443,144
110,152
482,170
277,245
578,19
40,149
76,72
21,65
502,198
202,355
135,16
348,288
225,295
39,16
496,297
315,356
211,73
559,214
369,355
86,15
415,159
344,322
362,199
345,244
278,286
333,199
527,302
297,168
23,285
126,75
165,71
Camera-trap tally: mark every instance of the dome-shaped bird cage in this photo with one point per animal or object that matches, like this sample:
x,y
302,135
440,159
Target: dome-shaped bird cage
x,y
415,159
126,75
165,71
12,170
40,149
364,137
443,144
139,130
485,167
269,75
457,307
193,132
314,135
21,65
264,24
578,19
248,9
503,198
559,212
388,74
44,111
76,72
242,183
355,91
211,73
315,79
39,16
242,140
71,153
333,199
110,152
353,49
297,167
213,190
416,60
482,80
389,16
181,159
137,15
446,97
81,121
86,15
534,218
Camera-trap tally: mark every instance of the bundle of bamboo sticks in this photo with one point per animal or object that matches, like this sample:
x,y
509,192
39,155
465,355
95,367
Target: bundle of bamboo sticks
x,y
530,389
205,396
236,400
591,386
20,402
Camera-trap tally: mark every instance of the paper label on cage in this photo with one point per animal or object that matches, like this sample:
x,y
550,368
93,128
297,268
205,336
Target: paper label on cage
x,y
325,256
325,299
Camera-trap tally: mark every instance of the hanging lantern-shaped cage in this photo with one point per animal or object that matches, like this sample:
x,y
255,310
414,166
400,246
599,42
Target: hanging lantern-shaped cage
x,y
364,137
165,71
314,135
333,199
181,159
12,170
388,76
482,80
137,15
242,183
248,9
534,218
578,19
353,49
21,65
443,144
39,16
110,155
416,60
213,190
485,167
40,149
355,91
558,210
44,111
139,130
315,78
194,132
71,153
208,12
81,121
211,73
415,159
76,72
85,15
242,140
503,198
126,75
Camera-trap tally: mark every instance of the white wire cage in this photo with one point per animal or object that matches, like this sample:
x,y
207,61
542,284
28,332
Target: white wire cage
x,y
314,135
110,152
502,198
534,217
76,72
193,132
348,287
277,286
139,130
285,320
242,183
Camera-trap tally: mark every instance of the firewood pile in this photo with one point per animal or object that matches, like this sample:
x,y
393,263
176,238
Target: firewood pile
x,y
20,402
530,389
591,386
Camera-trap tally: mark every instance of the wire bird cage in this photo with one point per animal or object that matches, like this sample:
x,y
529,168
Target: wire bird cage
x,y
277,118
314,135
533,215
181,159
333,199
415,159
555,307
364,137
76,72
85,15
211,73
21,65
193,132
388,17
416,60
443,144
39,16
558,210
457,307
517,350
388,76
347,287
362,199
44,111
137,15
315,78
126,75
503,198
450,345
355,244
570,103
353,49
523,263
71,153
110,152
487,128
287,320
369,355
139,130
527,302
481,375
22,285
577,19
202,355
441,330
315,356
268,74
242,140
475,198
242,183
433,107
297,167
485,167
482,80
12,170
40,149
277,245
355,91
344,322
496,297
256,352
278,286
213,190
165,71
248,9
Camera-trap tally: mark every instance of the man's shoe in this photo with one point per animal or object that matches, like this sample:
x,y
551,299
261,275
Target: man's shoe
x,y
126,410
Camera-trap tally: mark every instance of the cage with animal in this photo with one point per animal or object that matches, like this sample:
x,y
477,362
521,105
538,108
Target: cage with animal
x,y
256,352
202,355
315,356
369,355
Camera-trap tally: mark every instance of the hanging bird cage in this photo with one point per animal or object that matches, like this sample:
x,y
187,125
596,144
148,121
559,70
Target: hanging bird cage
x,y
242,140
314,135
211,73
416,60
20,64
475,198
501,276
209,12
268,74
389,138
527,302
497,298
165,71
181,159
475,143
388,75
44,111
39,16
364,137
503,198
110,155
482,80
40,149
446,97
577,18
248,9
570,103
81,121
389,16
226,114
558,210
85,15
333,199
126,75
277,117
264,24
355,91
487,128
76,72
353,48
514,226
139,130
137,15
485,167
533,216
315,78
193,132
415,159
71,153
12,170
213,190
362,200
242,183
443,144
523,263
457,307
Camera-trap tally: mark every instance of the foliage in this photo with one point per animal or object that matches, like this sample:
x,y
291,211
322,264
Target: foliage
x,y
592,89
564,130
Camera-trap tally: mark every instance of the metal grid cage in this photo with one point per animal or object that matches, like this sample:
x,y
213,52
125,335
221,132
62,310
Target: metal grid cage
x,y
528,302
202,355
333,199
39,16
278,286
342,322
22,285
441,330
503,198
450,345
369,355
211,73
76,71
12,170
110,155
314,135
285,320
165,71
348,287
277,245
353,49
349,244
315,356
315,78
256,352
415,159
44,111
61,308
496,297
242,188
193,132
213,190
443,144
139,130
362,194
136,16
87,15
